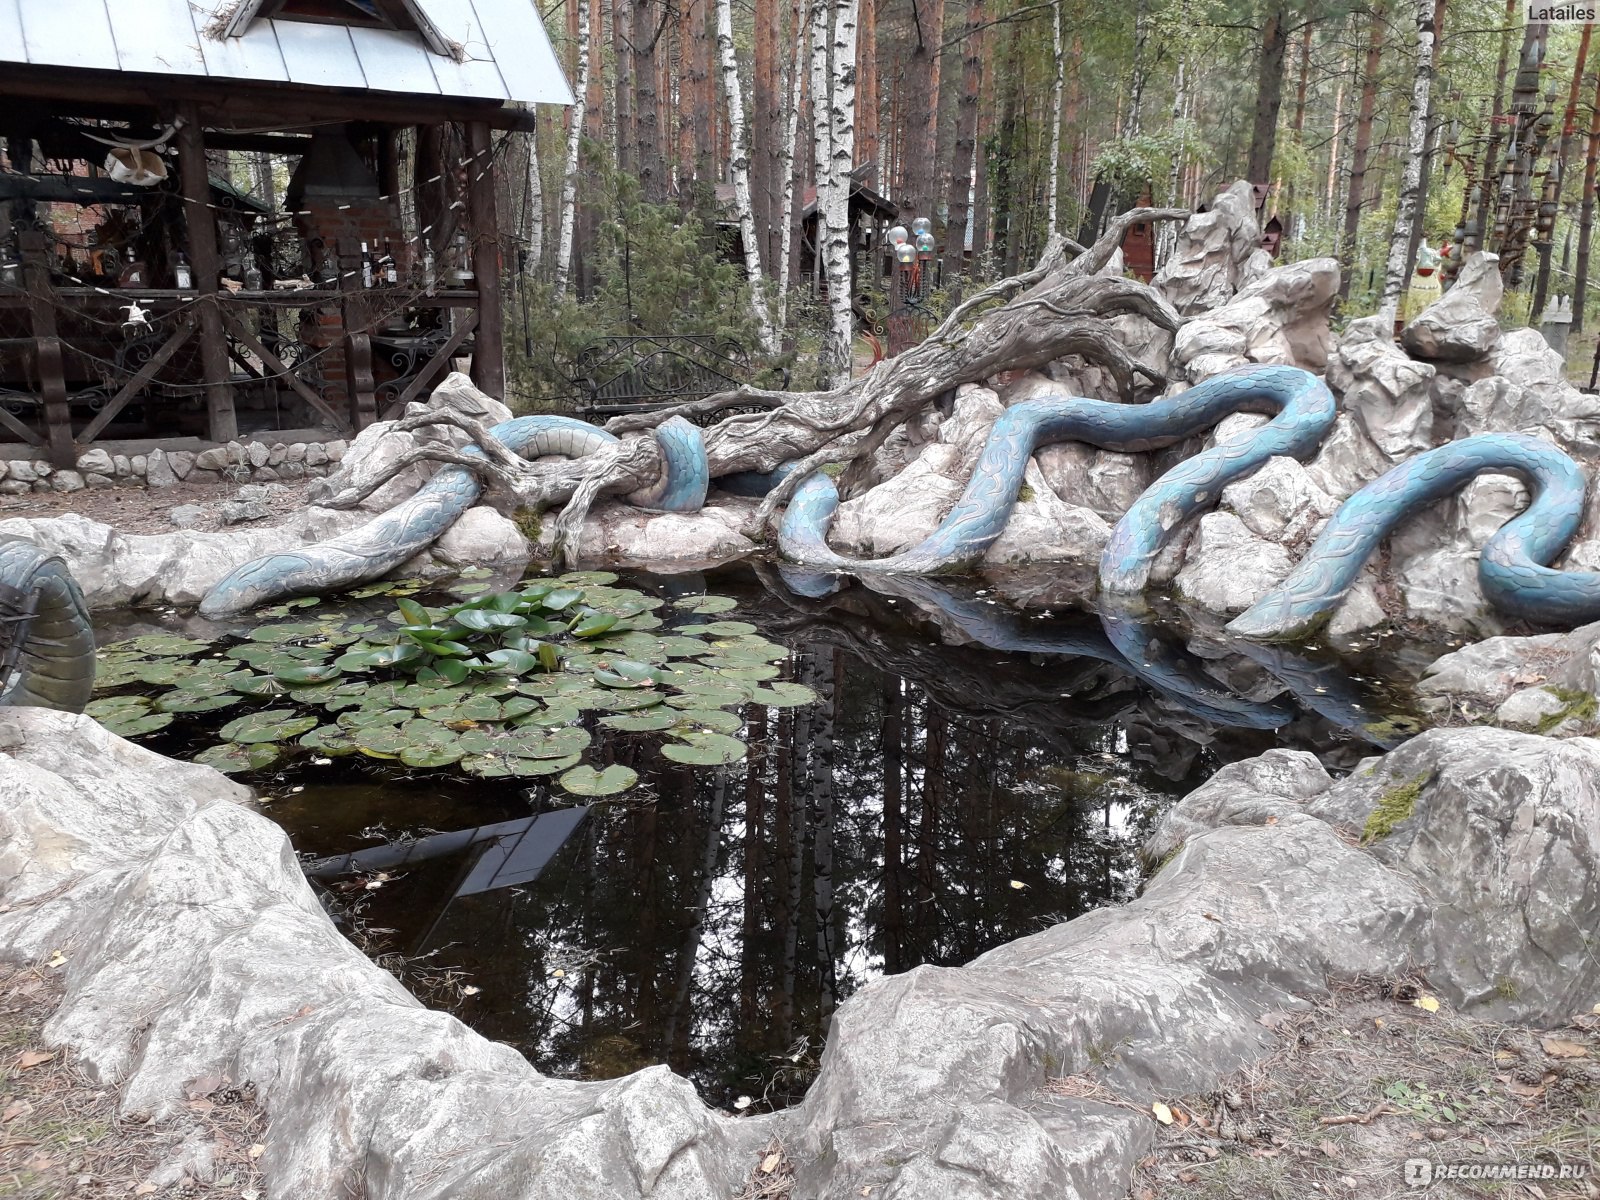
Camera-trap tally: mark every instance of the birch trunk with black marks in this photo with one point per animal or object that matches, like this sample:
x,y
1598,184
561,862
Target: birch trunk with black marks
x,y
569,172
833,212
1052,195
535,194
1394,276
741,177
791,135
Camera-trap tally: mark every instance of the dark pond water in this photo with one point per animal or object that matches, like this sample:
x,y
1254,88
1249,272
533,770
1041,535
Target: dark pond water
x,y
971,774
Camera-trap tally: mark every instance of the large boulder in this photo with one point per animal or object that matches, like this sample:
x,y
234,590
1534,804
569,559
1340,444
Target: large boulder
x,y
1227,567
1208,262
1388,394
1502,831
1280,502
1282,317
622,535
1529,393
1255,791
1460,327
481,536
1486,674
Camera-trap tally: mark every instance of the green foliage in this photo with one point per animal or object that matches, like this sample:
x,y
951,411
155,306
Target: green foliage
x,y
658,270
1394,806
495,685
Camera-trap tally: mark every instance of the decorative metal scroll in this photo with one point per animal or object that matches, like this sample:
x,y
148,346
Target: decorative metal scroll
x,y
631,374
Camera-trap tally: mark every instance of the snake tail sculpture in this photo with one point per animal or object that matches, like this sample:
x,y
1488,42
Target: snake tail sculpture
x,y
46,643
1301,406
411,526
1513,569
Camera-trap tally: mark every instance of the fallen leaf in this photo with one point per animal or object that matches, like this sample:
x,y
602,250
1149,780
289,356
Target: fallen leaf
x,y
1018,884
1187,1177
1561,1048
56,959
17,1108
743,1102
32,1058
1426,1003
1180,1116
769,1164
1272,820
257,1150
558,973
470,990
144,1189
1328,1148
1379,1022
1530,1091
1162,1112
373,885
202,1086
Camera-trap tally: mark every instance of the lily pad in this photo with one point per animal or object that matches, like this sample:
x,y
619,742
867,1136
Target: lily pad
x,y
783,695
181,700
511,766
167,644
586,781
232,758
269,725
704,749
706,604
643,722
718,720
330,740
133,724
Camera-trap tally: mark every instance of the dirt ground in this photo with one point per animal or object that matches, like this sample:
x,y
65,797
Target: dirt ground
x,y
1370,1079
144,510
61,1135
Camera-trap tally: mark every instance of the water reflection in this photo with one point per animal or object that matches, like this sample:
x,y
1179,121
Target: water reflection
x,y
970,775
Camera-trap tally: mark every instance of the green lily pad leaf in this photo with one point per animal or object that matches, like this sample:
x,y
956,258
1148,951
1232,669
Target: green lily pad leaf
x,y
167,645
476,573
431,755
783,695
368,718
232,758
728,629
419,695
629,701
705,604
289,631
560,598
511,662
708,696
742,670
373,589
551,715
414,613
643,722
132,724
594,625
386,741
480,620
704,749
519,706
586,781
329,739
114,706
303,676
161,673
584,579
683,647
332,696
269,725
379,656
468,708
181,700
446,672
511,766
115,676
533,742
718,720
258,685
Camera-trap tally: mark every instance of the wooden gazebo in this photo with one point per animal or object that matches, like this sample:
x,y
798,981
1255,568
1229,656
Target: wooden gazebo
x,y
222,218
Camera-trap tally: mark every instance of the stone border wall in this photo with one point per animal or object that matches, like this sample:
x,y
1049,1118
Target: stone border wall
x,y
236,462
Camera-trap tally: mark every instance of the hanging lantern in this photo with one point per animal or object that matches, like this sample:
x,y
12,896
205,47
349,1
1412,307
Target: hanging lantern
x,y
905,253
924,242
898,235
922,225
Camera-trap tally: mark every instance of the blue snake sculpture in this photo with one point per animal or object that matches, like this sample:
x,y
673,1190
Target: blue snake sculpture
x,y
1514,566
46,643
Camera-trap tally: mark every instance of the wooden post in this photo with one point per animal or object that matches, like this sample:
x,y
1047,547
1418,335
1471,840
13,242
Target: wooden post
x,y
47,352
207,266
357,319
488,355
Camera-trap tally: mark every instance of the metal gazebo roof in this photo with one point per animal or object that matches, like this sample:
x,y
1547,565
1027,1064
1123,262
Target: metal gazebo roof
x,y
501,49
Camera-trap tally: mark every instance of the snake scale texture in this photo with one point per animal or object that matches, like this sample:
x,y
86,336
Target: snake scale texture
x,y
46,643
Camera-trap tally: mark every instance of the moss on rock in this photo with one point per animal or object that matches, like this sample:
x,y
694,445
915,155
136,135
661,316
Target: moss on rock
x,y
1394,806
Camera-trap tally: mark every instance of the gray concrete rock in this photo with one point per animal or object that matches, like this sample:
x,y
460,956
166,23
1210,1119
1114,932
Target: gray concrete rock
x,y
258,454
1228,568
1441,588
67,481
1103,481
1242,793
1502,831
265,474
1487,673
185,516
119,570
276,454
23,470
261,491
1348,459
1531,708
93,480
1528,392
121,465
214,459
1279,502
375,449
236,512
158,472
296,452
457,391
1461,325
481,536
1208,261
97,460
336,449
1281,317
181,462
1388,394
14,487
316,454
623,535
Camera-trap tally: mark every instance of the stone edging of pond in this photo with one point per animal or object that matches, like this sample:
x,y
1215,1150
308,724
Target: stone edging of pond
x,y
190,945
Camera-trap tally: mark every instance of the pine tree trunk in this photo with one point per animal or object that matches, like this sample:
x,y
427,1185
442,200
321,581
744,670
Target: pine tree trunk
x,y
1358,153
787,166
833,228
921,113
622,81
1298,122
1580,283
1569,127
1052,194
966,144
569,173
1334,143
647,112
1394,276
741,176
867,91
1269,96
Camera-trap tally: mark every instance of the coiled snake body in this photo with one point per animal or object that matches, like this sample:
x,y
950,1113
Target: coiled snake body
x,y
46,643
1514,566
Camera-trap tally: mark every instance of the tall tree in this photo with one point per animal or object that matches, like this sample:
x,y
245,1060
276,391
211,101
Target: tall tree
x,y
1057,90
920,115
1580,284
1569,127
1358,152
787,164
622,81
1269,93
833,206
649,23
534,185
1394,275
569,173
741,176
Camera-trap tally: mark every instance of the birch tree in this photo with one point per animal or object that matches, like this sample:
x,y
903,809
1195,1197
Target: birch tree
x,y
535,199
741,176
833,213
569,175
1053,187
1411,181
791,135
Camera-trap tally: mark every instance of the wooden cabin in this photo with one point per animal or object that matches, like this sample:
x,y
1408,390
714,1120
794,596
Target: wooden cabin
x,y
229,218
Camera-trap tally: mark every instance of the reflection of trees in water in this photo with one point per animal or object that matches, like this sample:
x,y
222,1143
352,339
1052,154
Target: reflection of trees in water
x,y
871,832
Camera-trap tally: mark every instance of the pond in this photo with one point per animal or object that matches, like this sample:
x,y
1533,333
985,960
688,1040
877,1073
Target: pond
x,y
969,774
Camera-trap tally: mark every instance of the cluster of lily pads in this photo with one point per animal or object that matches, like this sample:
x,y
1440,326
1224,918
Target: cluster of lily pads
x,y
501,685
